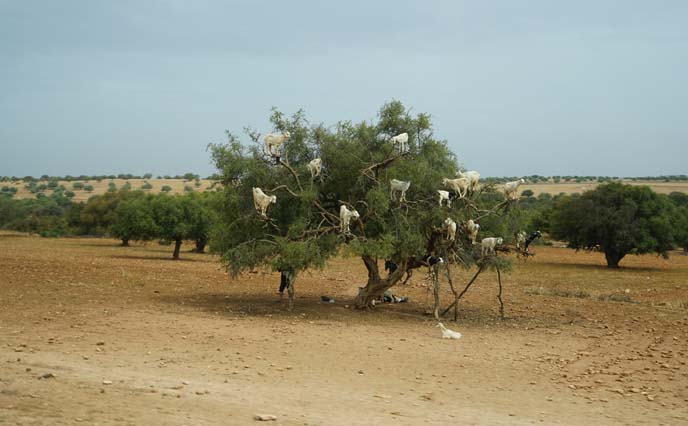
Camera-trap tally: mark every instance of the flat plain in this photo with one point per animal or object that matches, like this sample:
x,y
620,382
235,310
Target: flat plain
x,y
95,333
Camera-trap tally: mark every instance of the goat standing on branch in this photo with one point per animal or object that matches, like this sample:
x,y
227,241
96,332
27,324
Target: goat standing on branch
x,y
472,229
489,244
261,201
314,167
400,142
345,216
472,176
511,189
460,185
273,142
399,186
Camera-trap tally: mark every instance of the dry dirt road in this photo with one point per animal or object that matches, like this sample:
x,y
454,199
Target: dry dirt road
x,y
132,338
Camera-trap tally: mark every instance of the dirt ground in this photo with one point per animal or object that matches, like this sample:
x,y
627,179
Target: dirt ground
x,y
94,333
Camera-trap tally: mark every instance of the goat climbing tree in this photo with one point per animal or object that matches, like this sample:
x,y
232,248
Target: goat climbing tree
x,y
302,229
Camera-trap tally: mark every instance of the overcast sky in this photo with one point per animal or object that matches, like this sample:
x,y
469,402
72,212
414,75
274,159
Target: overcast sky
x,y
516,87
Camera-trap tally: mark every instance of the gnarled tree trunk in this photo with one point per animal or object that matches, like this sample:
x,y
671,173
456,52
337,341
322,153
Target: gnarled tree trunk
x,y
177,246
376,285
613,259
200,245
125,242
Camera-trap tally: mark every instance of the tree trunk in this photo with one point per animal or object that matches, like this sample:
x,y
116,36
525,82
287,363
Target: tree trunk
x,y
125,242
376,286
177,246
290,277
200,245
613,259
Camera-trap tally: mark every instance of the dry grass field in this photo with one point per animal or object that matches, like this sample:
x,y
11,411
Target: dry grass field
x,y
101,187
178,186
94,333
573,187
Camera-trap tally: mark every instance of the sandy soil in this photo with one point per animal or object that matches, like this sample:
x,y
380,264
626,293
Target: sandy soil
x,y
133,338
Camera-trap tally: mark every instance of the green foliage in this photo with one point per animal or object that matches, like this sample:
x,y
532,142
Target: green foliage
x,y
88,188
112,187
166,188
78,185
620,219
188,188
146,186
303,226
126,186
133,219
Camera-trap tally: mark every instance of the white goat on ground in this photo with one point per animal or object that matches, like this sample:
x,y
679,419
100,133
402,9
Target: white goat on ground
x,y
472,229
489,244
401,186
520,238
345,216
315,166
511,189
460,185
400,142
447,333
444,195
273,141
451,228
261,201
472,176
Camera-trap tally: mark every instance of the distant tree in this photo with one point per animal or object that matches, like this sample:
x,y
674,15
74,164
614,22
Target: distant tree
x,y
133,220
69,194
78,185
146,186
88,188
126,186
172,222
166,188
148,175
188,188
619,219
112,187
527,193
190,176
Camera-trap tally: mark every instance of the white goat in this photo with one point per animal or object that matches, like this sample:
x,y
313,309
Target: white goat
x,y
262,201
511,189
444,195
472,229
345,216
489,244
400,142
315,167
520,238
447,333
401,186
273,141
472,176
451,228
460,185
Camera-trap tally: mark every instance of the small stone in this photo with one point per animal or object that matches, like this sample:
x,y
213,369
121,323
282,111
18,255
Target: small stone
x,y
107,382
264,417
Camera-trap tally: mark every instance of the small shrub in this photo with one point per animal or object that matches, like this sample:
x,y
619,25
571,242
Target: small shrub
x,y
69,194
126,186
146,185
88,188
78,185
188,188
112,187
615,297
166,188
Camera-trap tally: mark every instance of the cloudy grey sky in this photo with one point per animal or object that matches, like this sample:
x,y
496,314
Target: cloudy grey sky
x,y
516,87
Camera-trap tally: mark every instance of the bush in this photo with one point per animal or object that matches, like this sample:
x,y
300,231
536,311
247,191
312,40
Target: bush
x,y
88,188
69,194
112,187
146,185
188,188
126,186
166,188
78,185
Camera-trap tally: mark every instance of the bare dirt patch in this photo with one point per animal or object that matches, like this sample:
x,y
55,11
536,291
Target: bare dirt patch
x,y
134,338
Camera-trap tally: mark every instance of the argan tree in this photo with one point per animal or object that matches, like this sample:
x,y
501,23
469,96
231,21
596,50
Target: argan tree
x,y
619,219
302,229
